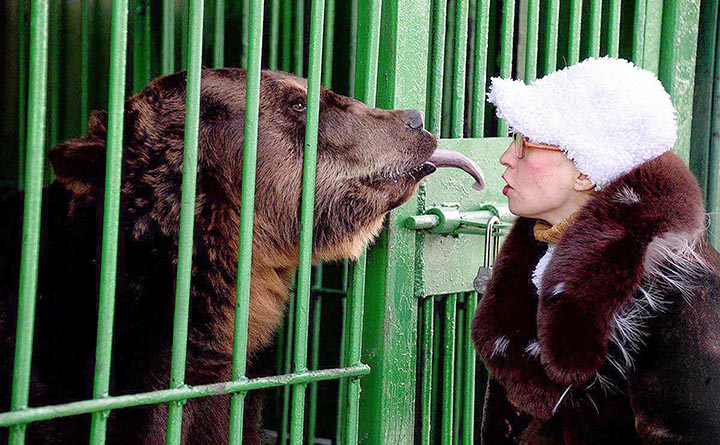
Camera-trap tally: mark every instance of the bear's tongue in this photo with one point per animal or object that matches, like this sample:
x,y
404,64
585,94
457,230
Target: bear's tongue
x,y
449,158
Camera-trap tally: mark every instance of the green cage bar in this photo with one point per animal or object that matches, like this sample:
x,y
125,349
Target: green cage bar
x,y
290,340
32,206
426,370
713,193
111,211
316,295
447,89
459,367
482,26
328,50
506,49
595,27
448,370
531,41
54,79
170,395
84,65
342,393
245,34
356,302
353,46
647,35
219,35
273,49
297,418
168,37
460,57
299,43
551,36
247,209
437,58
22,92
614,28
141,44
287,36
468,395
574,35
187,217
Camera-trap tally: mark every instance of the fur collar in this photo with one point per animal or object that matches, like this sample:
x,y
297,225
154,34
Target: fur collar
x,y
608,274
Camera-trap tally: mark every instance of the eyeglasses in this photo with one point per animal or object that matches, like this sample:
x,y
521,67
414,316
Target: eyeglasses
x,y
522,144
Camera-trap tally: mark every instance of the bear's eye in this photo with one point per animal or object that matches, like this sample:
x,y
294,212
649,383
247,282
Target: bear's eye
x,y
298,105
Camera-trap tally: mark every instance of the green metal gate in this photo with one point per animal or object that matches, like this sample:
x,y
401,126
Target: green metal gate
x,y
406,341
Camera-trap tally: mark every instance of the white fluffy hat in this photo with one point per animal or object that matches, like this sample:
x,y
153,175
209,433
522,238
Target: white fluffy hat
x,y
606,114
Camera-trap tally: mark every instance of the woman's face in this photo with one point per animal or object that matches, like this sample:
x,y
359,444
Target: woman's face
x,y
541,185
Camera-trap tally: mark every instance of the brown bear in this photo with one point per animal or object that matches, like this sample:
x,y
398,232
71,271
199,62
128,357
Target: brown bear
x,y
369,162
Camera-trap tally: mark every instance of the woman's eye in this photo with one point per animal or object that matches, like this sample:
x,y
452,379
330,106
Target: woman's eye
x,y
298,106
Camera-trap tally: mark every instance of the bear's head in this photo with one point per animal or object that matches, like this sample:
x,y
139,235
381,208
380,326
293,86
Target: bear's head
x,y
369,162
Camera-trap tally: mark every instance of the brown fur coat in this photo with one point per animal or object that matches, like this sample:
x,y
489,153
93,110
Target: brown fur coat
x,y
621,343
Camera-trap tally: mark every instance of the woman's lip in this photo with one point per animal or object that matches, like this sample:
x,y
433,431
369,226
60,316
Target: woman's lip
x,y
506,189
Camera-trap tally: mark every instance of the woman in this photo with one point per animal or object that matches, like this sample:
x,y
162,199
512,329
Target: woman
x,y
601,321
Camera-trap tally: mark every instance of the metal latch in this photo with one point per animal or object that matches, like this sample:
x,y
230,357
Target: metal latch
x,y
450,220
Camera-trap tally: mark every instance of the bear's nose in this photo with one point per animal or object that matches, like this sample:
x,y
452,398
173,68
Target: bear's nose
x,y
413,119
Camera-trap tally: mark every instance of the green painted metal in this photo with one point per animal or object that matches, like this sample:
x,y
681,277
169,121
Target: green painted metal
x,y
677,70
299,41
355,305
287,35
427,331
390,305
437,56
551,38
170,395
242,291
245,34
54,79
187,218
595,26
575,28
141,44
459,365
84,65
448,367
482,26
31,213
506,48
111,212
448,80
290,340
219,35
168,37
307,204
648,27
531,40
316,304
328,50
460,56
714,177
274,48
614,28
22,61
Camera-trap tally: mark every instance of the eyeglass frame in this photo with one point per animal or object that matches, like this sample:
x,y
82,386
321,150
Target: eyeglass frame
x,y
522,144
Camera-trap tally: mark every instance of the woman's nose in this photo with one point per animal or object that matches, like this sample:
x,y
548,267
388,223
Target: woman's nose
x,y
508,157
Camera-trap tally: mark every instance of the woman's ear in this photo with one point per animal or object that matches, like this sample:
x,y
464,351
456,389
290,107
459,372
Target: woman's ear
x,y
582,183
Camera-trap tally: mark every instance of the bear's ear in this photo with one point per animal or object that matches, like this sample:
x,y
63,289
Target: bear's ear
x,y
79,164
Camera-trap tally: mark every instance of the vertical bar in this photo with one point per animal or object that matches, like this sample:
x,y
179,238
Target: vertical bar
x,y
299,45
506,49
713,197
437,61
22,92
551,36
315,350
427,372
245,34
54,78
680,26
614,31
84,65
648,33
468,409
111,211
31,212
219,35
531,43
575,32
317,14
448,370
482,26
287,36
141,45
342,399
595,27
460,50
168,37
447,100
247,210
187,217
459,364
329,42
274,34
288,368
353,45
356,302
